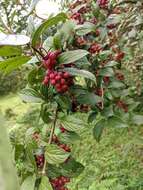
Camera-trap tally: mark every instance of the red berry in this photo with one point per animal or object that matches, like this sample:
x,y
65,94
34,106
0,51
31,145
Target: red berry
x,y
52,76
53,82
66,75
58,77
63,81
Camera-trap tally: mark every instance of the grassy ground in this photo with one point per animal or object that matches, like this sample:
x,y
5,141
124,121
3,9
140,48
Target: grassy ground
x,y
12,106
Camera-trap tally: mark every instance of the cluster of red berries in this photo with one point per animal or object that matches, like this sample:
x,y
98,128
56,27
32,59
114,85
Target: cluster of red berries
x,y
49,60
40,160
78,18
103,3
59,183
95,48
119,76
119,56
122,105
81,41
60,80
55,140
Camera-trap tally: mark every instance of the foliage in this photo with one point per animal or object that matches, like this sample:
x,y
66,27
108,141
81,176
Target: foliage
x,y
76,72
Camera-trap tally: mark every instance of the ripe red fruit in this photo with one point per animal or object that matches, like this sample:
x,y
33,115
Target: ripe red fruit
x,y
62,81
46,80
58,77
66,75
64,88
119,56
53,82
52,76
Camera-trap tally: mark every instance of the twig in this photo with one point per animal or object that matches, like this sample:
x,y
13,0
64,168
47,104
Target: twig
x,y
50,139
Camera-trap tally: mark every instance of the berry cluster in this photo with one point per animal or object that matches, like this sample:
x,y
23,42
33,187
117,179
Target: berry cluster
x,y
81,41
103,3
119,56
60,80
40,160
119,76
95,48
59,183
49,60
77,17
122,105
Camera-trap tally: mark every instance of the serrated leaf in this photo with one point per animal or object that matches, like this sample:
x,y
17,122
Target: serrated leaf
x,y
10,50
30,95
45,25
72,56
45,184
11,64
55,155
98,129
71,123
81,73
29,183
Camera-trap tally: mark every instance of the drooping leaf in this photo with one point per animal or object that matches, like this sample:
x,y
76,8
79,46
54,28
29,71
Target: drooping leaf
x,y
72,56
55,155
11,64
10,50
45,184
30,95
98,129
45,25
81,73
29,183
13,39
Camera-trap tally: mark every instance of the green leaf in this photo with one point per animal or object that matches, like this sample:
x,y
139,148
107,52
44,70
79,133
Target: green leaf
x,y
111,64
84,29
137,119
55,155
72,123
71,168
11,64
45,184
108,111
29,183
106,72
45,25
68,137
88,98
10,50
98,129
81,73
116,122
72,56
116,84
30,95
13,39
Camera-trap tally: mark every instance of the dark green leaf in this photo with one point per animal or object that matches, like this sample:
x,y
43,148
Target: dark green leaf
x,y
116,122
98,129
45,25
84,29
72,56
68,137
116,84
106,72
